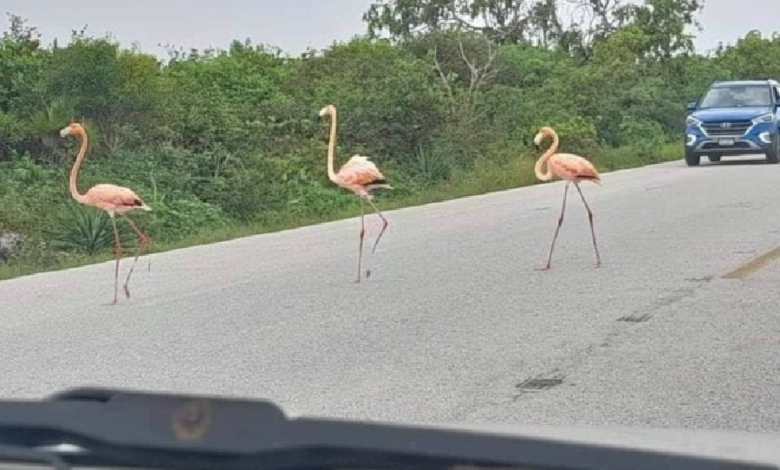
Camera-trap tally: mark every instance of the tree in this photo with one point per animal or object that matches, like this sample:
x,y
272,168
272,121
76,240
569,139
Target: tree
x,y
115,89
22,63
752,57
665,22
540,22
505,21
463,90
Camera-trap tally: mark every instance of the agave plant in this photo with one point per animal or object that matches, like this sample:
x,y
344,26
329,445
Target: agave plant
x,y
86,230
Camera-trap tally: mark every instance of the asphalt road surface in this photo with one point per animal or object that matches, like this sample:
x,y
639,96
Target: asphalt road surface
x,y
455,323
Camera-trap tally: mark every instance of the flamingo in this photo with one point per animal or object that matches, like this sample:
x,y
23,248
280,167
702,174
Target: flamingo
x,y
110,198
572,168
360,176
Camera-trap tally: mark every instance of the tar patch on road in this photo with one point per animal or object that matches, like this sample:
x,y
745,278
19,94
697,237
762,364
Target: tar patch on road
x,y
646,314
639,318
753,265
538,384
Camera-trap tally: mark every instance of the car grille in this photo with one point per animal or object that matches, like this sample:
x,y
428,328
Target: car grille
x,y
736,146
726,128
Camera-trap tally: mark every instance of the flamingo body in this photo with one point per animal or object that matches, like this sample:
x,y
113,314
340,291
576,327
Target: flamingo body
x,y
571,167
114,199
360,175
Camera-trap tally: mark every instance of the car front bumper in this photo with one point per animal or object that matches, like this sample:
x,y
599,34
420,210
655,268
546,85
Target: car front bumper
x,y
759,139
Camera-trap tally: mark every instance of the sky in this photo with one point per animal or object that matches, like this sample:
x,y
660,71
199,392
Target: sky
x,y
292,25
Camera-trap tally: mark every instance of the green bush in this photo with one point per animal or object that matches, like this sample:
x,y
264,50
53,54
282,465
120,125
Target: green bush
x,y
85,230
178,218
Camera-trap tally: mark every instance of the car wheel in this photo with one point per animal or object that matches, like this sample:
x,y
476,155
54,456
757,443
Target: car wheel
x,y
714,158
691,159
773,156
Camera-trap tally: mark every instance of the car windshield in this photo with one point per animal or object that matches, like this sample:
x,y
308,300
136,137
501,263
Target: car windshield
x,y
736,96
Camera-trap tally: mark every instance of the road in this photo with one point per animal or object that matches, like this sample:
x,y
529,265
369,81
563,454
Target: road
x,y
455,323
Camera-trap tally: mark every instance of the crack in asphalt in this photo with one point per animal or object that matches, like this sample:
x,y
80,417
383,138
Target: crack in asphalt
x,y
617,333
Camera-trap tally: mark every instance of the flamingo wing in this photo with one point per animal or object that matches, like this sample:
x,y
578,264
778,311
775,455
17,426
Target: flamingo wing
x,y
112,197
360,171
573,167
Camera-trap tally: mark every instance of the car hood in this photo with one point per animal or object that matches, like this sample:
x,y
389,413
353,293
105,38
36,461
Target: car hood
x,y
736,114
108,423
720,444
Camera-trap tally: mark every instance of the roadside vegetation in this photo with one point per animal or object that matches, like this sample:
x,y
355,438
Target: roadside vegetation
x,y
225,143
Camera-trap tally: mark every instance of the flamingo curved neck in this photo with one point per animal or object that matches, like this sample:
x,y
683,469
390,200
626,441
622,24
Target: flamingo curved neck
x,y
74,191
548,174
332,146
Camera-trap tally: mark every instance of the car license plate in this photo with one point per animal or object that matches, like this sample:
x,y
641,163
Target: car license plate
x,y
726,141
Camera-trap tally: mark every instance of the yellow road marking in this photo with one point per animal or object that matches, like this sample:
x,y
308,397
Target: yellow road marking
x,y
753,265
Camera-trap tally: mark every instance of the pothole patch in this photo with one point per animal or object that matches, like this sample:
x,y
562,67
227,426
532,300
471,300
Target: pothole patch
x,y
637,318
539,384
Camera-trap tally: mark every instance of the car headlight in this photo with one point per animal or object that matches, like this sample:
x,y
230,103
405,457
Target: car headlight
x,y
692,121
768,117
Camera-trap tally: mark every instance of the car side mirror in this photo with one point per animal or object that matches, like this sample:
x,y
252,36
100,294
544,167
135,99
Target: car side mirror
x,y
692,106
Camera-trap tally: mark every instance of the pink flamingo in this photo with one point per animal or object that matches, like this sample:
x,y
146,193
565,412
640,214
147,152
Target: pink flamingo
x,y
573,169
360,176
110,198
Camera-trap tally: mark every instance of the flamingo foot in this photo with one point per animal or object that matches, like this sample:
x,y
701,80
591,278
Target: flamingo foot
x,y
127,290
368,273
546,268
109,304
356,281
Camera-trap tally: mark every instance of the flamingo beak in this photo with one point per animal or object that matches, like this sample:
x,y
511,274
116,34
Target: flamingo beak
x,y
65,132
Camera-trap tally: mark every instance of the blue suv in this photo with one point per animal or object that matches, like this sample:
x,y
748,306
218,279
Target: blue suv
x,y
734,118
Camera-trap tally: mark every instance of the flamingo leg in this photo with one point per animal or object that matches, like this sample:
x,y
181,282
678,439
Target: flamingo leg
x,y
590,219
143,240
118,253
558,228
384,224
362,236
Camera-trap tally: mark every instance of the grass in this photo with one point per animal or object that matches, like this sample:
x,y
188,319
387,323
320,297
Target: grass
x,y
486,179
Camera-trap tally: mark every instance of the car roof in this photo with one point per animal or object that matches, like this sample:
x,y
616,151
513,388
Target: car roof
x,y
744,83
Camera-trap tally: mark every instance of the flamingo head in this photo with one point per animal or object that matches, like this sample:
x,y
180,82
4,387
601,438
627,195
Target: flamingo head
x,y
329,109
543,132
73,128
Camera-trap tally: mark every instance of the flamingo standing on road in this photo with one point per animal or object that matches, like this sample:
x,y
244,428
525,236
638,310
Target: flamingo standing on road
x,y
360,176
110,198
573,169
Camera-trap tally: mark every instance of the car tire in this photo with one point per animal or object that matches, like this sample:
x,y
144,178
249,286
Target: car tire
x,y
714,158
691,159
773,156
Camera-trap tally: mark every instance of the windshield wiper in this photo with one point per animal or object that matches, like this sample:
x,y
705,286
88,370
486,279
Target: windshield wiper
x,y
31,456
144,430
